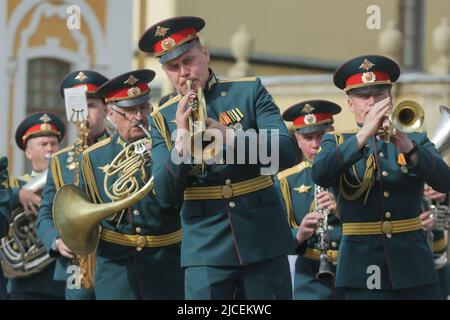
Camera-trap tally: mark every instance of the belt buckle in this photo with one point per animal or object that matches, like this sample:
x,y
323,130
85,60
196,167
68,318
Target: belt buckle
x,y
227,191
386,227
141,241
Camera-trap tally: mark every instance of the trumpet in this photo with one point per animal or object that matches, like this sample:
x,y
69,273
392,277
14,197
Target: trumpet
x,y
321,232
201,150
407,116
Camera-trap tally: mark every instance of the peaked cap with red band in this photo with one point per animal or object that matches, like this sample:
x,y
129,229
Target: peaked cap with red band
x,y
128,89
169,39
311,115
91,80
362,73
37,125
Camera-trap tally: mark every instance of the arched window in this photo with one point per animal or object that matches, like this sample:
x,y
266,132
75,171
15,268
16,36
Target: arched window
x,y
43,79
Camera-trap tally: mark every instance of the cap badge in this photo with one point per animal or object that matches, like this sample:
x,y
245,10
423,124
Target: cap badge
x,y
308,108
134,91
45,118
161,31
366,65
368,77
310,118
168,43
131,80
81,76
45,127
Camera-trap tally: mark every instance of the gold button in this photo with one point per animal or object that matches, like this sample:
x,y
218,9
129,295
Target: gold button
x,y
386,194
334,244
138,249
387,214
381,154
232,204
227,192
386,227
228,181
136,212
138,229
141,241
385,174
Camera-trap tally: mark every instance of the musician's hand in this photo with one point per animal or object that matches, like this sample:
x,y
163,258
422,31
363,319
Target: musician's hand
x,y
183,111
431,194
228,135
403,144
63,249
326,200
307,227
29,201
182,121
427,221
372,121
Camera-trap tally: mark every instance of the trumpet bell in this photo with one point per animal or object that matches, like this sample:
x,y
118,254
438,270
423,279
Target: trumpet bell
x,y
407,116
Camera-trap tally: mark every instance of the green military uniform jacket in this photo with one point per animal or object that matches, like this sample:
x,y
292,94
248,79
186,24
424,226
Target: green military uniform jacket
x,y
61,172
234,231
5,212
127,272
297,195
41,283
404,259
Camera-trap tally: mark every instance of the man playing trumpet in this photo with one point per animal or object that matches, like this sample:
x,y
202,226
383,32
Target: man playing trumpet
x,y
384,252
235,235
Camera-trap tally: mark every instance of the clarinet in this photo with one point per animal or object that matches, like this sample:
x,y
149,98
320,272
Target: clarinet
x,y
321,232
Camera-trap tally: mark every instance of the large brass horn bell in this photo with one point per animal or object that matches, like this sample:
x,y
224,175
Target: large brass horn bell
x,y
77,218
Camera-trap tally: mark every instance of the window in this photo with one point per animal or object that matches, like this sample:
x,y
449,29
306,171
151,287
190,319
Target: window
x,y
43,79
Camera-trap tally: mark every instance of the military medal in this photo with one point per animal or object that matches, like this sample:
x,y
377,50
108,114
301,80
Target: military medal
x,y
231,118
402,162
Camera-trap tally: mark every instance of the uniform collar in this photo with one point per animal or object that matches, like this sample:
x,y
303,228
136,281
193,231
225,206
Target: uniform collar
x,y
212,81
100,137
121,142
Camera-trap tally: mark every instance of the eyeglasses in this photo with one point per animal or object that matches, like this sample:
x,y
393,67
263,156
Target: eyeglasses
x,y
144,109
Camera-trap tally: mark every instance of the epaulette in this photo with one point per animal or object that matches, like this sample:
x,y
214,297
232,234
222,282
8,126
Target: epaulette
x,y
62,151
339,135
246,79
97,145
14,182
166,104
295,169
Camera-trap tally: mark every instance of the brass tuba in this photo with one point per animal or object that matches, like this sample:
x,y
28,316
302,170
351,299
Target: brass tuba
x,y
21,251
77,219
407,116
441,212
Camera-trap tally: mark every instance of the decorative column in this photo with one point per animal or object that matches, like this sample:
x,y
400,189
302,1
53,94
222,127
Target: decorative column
x,y
241,46
390,41
441,42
